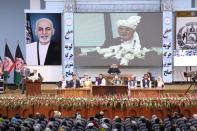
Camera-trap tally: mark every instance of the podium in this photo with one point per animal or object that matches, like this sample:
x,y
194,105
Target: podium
x,y
33,88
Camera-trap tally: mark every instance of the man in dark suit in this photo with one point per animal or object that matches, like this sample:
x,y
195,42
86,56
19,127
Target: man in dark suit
x,y
113,69
146,83
74,83
44,51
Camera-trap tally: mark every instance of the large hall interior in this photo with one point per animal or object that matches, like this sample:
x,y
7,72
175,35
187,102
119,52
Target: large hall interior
x,y
98,65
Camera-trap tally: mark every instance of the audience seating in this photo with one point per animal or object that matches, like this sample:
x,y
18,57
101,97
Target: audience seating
x,y
98,123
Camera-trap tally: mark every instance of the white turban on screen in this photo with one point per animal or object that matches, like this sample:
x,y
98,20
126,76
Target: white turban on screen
x,y
131,22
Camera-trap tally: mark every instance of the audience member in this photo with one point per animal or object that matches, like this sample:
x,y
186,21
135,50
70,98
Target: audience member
x,y
146,83
74,83
113,70
100,81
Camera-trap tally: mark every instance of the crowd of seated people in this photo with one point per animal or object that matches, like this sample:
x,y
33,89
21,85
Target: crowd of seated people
x,y
86,81
73,83
99,122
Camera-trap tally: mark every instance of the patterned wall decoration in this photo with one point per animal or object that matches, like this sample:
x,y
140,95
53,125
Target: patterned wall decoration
x,y
68,58
167,46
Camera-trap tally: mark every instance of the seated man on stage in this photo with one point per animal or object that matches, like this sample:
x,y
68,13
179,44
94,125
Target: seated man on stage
x,y
113,70
146,83
132,83
150,77
116,81
87,83
74,83
63,83
100,81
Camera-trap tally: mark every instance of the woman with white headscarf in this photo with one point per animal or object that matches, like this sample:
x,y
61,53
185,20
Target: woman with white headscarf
x,y
159,82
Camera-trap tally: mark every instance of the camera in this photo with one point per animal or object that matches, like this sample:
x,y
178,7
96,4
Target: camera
x,y
190,74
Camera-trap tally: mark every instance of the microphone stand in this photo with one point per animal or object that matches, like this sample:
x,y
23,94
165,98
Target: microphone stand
x,y
193,82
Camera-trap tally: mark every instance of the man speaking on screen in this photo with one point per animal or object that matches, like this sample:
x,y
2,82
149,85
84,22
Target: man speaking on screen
x,y
44,51
127,45
127,34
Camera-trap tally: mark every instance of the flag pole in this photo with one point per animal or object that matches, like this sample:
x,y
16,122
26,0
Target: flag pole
x,y
5,80
17,86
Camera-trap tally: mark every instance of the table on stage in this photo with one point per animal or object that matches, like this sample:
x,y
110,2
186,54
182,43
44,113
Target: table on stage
x,y
109,90
147,92
78,92
123,90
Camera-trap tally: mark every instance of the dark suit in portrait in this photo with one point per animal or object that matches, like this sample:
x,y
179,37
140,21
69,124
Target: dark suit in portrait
x,y
53,54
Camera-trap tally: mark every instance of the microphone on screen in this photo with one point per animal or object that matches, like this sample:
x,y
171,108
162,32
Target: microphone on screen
x,y
134,44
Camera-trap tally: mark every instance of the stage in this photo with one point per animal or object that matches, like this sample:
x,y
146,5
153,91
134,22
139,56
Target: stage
x,y
172,99
169,90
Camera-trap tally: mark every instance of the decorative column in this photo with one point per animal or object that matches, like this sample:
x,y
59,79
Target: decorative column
x,y
68,58
167,40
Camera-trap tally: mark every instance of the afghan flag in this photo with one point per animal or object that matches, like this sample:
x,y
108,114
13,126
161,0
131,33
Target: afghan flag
x,y
8,62
19,63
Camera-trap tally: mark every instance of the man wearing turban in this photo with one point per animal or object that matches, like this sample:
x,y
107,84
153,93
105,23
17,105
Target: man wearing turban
x,y
127,45
127,34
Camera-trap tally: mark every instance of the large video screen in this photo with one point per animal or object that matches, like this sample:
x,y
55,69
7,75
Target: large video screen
x,y
127,39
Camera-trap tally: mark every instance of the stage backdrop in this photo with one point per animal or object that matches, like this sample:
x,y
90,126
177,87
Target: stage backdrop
x,y
93,32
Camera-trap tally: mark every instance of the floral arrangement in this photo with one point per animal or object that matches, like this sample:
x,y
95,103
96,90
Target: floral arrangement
x,y
120,102
33,78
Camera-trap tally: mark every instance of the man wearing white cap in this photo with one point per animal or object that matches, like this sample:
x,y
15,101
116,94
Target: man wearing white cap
x,y
128,35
